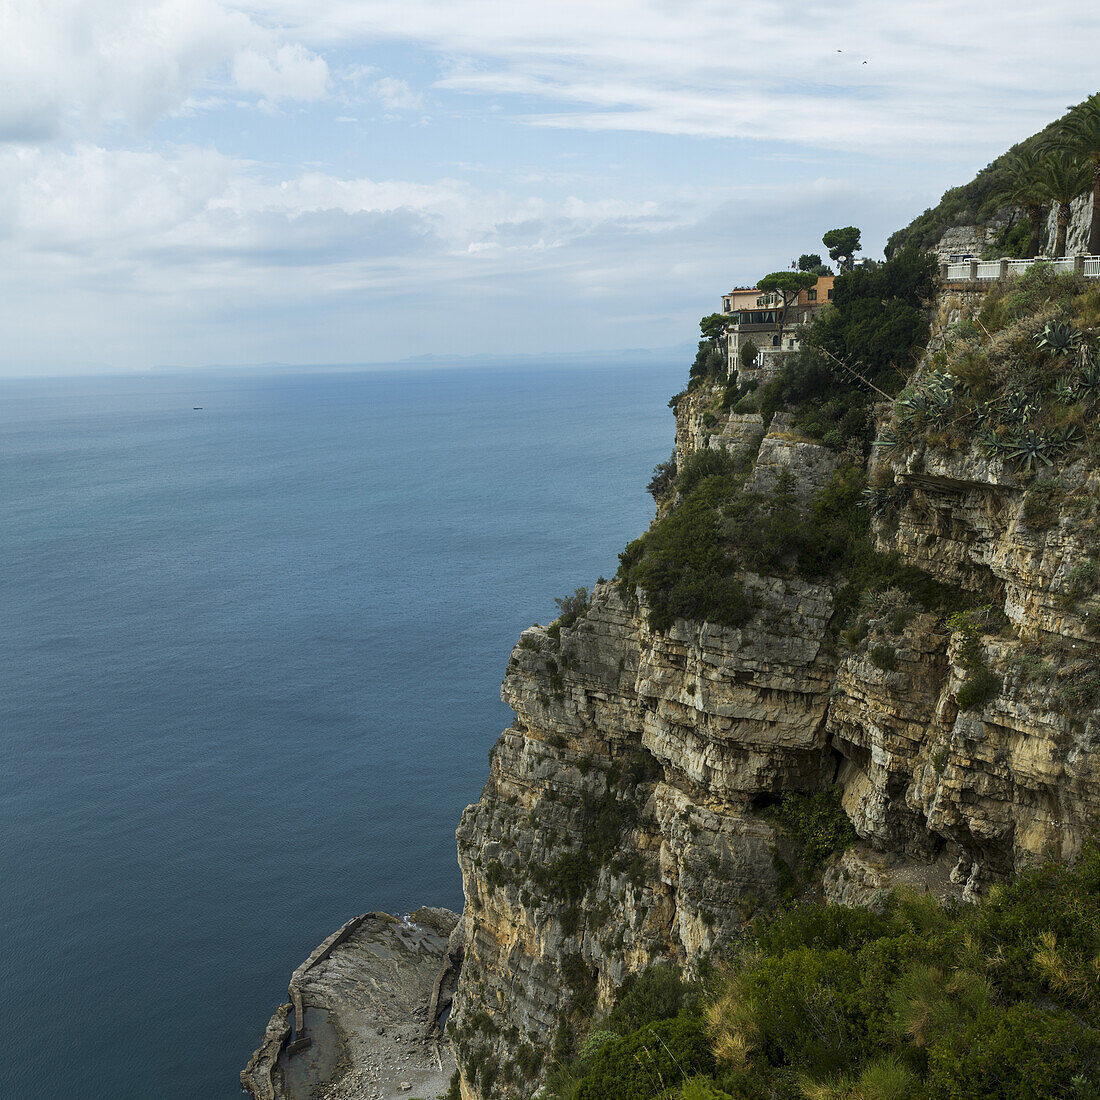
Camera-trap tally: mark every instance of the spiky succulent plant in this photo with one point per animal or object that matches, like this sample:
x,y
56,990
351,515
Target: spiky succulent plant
x,y
1088,385
1030,448
1059,338
1065,391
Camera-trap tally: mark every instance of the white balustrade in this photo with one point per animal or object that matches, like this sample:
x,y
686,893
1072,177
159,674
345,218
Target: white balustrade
x,y
991,269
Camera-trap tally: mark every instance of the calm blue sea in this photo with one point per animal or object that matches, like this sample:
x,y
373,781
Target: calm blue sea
x,y
250,660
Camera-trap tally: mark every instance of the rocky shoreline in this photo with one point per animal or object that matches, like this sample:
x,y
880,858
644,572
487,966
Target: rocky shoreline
x,y
366,1013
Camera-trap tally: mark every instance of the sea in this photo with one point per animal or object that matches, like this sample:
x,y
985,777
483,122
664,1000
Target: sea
x,y
252,632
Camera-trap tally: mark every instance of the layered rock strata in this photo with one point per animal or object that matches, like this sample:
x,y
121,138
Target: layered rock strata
x,y
623,820
366,1008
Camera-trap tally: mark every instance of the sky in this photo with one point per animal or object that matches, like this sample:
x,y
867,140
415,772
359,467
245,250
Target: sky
x,y
192,182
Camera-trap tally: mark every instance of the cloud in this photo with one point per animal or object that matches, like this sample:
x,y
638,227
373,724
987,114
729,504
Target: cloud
x,y
938,74
292,72
396,95
190,255
76,66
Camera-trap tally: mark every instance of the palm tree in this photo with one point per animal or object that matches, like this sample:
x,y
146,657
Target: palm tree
x,y
1080,130
1062,179
1021,187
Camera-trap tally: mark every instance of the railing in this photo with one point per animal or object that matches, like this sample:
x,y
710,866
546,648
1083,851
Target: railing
x,y
968,271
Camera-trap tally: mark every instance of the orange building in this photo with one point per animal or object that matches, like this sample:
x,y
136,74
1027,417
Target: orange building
x,y
773,330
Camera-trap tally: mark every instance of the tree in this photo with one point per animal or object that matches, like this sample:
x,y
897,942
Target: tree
x,y
710,360
749,352
1081,132
811,261
842,244
1022,187
787,284
713,326
1062,179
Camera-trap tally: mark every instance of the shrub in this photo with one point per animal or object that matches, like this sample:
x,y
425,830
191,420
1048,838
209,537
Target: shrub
x,y
802,1008
708,462
664,477
644,1064
822,927
980,684
1020,1052
656,993
571,608
884,657
818,822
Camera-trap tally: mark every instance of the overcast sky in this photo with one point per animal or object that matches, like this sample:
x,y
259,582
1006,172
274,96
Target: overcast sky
x,y
315,181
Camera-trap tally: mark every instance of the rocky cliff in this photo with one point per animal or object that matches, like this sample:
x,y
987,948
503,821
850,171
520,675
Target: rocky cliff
x,y
626,816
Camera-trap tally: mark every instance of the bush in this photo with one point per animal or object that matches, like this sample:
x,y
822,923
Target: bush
x,y
804,1008
656,993
884,657
647,1062
708,462
664,477
1020,1052
571,608
818,822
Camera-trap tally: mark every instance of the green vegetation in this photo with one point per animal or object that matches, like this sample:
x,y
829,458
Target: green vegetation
x,y
1061,179
710,360
817,823
867,340
664,478
966,204
788,285
981,684
1005,183
1080,131
1023,381
843,244
919,1002
688,562
811,261
1019,186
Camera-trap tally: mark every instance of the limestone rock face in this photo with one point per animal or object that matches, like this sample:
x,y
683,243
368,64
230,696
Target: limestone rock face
x,y
622,821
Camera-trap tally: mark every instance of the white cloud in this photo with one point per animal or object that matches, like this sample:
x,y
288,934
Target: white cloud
x,y
194,256
74,66
396,95
938,74
292,72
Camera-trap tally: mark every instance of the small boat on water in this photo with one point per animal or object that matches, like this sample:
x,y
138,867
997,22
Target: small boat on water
x,y
196,408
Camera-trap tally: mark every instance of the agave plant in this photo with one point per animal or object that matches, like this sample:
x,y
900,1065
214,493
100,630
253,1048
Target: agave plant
x,y
1059,338
985,412
1031,448
912,405
878,499
1018,407
1065,391
992,444
1089,382
888,438
1062,439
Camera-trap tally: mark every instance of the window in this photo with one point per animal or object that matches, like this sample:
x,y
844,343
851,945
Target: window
x,y
830,296
811,295
775,341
